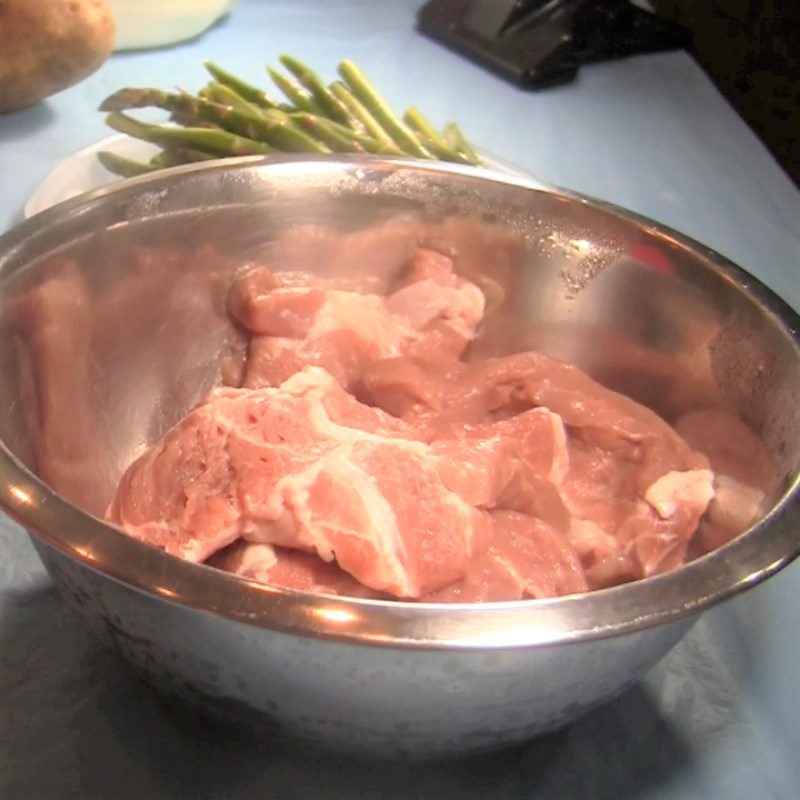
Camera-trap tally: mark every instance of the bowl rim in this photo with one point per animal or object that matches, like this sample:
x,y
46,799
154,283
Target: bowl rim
x,y
747,560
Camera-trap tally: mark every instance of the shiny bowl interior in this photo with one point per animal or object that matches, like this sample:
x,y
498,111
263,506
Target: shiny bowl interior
x,y
641,308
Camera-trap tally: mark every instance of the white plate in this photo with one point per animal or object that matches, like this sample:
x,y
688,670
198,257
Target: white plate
x,y
81,172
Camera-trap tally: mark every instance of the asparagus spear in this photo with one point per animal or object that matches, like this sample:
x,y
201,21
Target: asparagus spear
x,y
301,99
250,93
456,139
357,110
377,106
270,126
220,93
370,143
187,155
433,140
120,165
208,140
443,154
176,156
232,117
324,130
343,139
325,99
165,158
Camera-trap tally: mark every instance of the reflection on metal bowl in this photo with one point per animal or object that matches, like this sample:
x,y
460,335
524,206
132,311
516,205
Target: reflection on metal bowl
x,y
141,271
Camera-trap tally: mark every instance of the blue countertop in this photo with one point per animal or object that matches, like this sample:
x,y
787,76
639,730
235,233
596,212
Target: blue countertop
x,y
719,718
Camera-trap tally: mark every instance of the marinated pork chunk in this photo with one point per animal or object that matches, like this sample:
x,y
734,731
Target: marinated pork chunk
x,y
364,457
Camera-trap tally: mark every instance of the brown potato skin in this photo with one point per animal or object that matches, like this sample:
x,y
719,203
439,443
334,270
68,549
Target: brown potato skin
x,y
48,45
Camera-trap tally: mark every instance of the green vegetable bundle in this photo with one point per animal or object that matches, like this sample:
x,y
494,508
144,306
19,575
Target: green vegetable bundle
x,y
230,117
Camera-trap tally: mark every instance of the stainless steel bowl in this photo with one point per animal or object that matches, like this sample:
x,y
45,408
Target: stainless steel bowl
x,y
112,325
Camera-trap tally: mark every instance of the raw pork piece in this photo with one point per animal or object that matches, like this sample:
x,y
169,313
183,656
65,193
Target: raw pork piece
x,y
365,458
505,386
742,473
490,464
525,558
487,254
481,464
616,452
369,260
290,569
432,314
444,307
304,466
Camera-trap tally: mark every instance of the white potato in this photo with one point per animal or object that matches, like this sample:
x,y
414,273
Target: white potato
x,y
48,45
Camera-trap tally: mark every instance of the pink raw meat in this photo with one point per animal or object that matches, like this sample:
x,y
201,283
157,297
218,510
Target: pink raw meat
x,y
614,451
305,466
489,461
444,307
432,314
291,569
364,458
345,333
525,558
